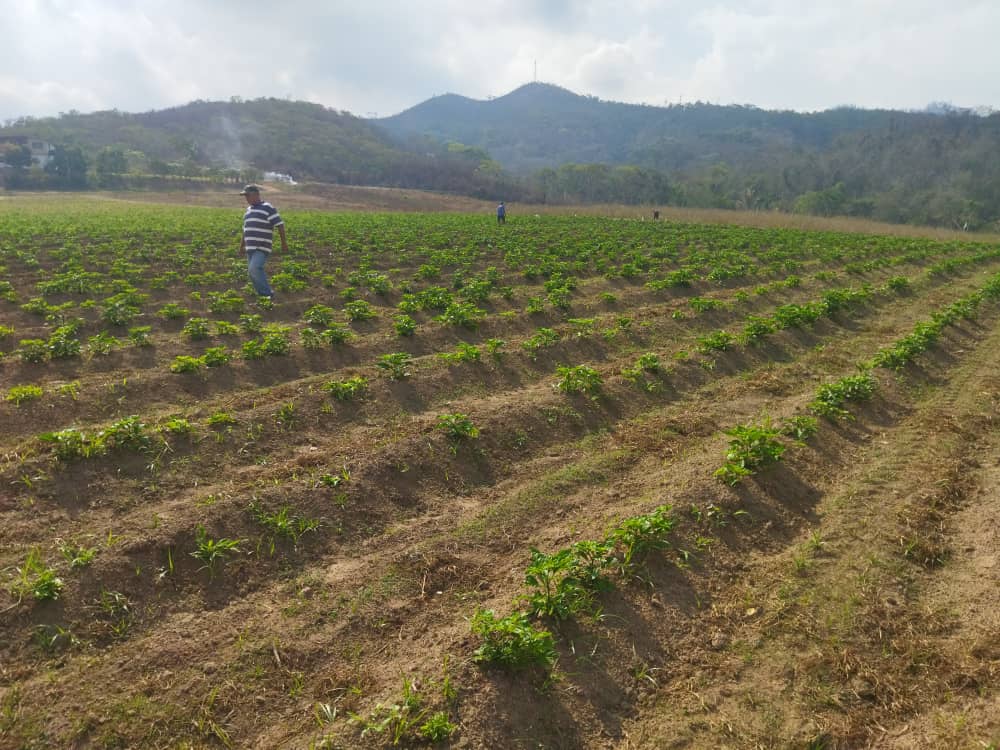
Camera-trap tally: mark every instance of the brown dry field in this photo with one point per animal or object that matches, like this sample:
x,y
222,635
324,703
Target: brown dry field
x,y
846,597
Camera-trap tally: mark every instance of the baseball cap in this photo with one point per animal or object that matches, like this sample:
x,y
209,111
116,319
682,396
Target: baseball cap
x,y
250,189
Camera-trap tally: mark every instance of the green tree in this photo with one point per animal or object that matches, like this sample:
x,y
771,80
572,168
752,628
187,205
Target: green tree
x,y
68,167
110,162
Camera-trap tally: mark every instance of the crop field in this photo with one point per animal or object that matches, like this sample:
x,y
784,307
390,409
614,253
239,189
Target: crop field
x,y
571,482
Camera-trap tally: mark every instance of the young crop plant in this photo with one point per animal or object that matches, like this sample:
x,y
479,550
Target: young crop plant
x,y
634,537
20,394
319,316
582,327
336,334
494,347
119,312
229,301
225,328
359,310
705,304
177,426
461,314
282,523
396,365
756,328
457,427
173,311
404,325
543,337
251,323
210,551
216,356
512,642
348,389
463,353
102,344
275,343
534,306
751,447
33,350
63,343
438,728
399,721
71,444
800,428
907,348
36,578
186,363
565,582
799,316
197,329
830,398
128,433
336,480
139,336
717,341
77,555
579,379
221,419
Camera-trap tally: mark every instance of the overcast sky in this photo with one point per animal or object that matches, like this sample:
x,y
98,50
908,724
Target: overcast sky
x,y
371,56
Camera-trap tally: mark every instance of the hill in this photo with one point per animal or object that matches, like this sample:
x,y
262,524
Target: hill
x,y
299,138
541,125
917,167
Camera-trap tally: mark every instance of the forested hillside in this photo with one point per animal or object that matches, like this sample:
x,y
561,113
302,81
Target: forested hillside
x,y
896,166
242,138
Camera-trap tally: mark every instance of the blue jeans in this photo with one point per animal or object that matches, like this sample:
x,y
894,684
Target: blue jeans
x,y
255,267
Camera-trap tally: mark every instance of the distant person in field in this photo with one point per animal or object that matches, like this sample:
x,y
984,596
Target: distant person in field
x,y
501,214
259,223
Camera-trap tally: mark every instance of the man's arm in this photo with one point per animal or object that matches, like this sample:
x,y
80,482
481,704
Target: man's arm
x,y
284,242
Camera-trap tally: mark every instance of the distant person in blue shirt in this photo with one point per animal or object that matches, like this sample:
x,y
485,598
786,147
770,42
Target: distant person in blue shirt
x,y
259,223
501,214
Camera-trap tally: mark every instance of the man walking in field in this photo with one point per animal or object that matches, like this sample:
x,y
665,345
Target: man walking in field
x,y
501,214
259,223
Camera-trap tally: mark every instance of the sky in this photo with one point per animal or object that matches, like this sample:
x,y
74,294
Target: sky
x,y
376,58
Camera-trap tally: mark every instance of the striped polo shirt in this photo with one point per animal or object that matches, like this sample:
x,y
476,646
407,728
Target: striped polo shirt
x,y
259,223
